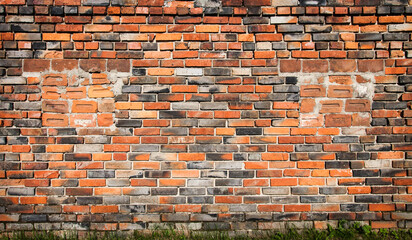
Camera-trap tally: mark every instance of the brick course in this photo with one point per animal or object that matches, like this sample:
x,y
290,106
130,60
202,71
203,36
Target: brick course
x,y
125,115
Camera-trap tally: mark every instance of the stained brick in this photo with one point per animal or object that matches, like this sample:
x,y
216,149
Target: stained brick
x,y
205,120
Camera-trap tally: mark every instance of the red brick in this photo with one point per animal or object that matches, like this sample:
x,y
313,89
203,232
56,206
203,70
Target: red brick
x,y
93,65
337,120
84,107
357,105
340,91
36,65
315,66
342,65
312,91
370,65
290,65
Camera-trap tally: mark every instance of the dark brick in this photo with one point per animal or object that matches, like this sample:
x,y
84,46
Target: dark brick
x,y
312,2
89,200
354,207
33,218
249,131
368,198
128,123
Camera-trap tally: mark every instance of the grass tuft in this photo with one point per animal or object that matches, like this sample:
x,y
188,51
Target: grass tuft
x,y
344,231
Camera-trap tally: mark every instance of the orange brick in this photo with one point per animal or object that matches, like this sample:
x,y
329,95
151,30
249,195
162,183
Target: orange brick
x,y
188,208
104,209
56,36
283,181
84,106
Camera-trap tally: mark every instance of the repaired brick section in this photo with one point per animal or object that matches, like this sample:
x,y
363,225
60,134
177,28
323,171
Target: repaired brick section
x,y
125,114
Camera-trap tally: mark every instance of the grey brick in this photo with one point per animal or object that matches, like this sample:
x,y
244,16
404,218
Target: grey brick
x,y
199,165
345,139
33,218
144,148
312,199
10,63
249,131
354,207
325,36
149,46
285,199
282,19
202,148
395,2
128,123
308,148
199,182
8,106
332,190
212,123
192,191
164,191
185,106
402,79
227,148
276,191
132,208
19,226
138,72
89,200
318,28
258,217
271,80
131,89
203,217
116,200
395,37
47,226
311,19
274,97
279,46
228,165
214,174
20,191
189,71
214,106
139,191
285,216
27,106
200,200
17,140
172,114
312,2
212,89
228,182
286,28
22,19
368,37
368,198
5,27
255,20
114,37
96,2
316,216
396,105
20,54
61,200
101,174
216,71
200,80
70,10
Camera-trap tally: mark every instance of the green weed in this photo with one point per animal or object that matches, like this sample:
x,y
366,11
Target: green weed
x,y
344,231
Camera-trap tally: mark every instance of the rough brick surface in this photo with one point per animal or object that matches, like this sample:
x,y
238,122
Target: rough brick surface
x,y
125,114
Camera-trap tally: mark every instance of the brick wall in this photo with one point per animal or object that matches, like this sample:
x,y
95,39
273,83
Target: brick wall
x,y
208,115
